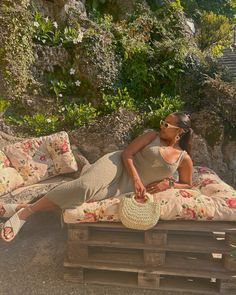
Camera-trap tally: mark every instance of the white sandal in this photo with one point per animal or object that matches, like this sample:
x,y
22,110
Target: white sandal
x,y
15,223
8,210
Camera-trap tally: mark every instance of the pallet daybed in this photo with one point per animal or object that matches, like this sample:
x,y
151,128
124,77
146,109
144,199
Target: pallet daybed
x,y
183,257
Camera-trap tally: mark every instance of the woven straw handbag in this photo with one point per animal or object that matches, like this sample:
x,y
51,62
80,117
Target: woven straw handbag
x,y
141,216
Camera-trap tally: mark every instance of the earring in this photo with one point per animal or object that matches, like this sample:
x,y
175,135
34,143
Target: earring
x,y
177,137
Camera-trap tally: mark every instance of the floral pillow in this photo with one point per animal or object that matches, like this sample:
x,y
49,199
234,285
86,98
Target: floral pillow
x,y
208,182
4,161
58,146
10,179
31,159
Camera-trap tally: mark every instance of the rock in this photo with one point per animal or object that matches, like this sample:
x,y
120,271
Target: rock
x,y
46,58
209,125
109,133
7,138
229,154
96,63
72,9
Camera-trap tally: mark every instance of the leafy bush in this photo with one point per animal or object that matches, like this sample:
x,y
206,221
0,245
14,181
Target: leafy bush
x,y
4,104
41,124
158,108
223,7
16,53
75,115
214,33
111,103
47,32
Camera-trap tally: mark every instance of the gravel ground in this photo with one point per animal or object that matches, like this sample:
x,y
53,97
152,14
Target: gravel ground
x,y
32,264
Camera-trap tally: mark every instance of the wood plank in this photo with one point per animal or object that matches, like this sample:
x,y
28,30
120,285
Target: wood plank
x,y
78,234
116,255
75,275
229,262
154,257
193,261
147,280
196,285
220,273
179,242
156,238
113,236
187,225
228,286
77,253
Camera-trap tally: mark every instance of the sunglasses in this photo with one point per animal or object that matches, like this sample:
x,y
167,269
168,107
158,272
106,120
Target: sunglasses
x,y
167,125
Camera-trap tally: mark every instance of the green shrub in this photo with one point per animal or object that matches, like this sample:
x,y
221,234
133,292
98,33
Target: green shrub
x,y
76,115
4,104
214,33
159,108
16,53
111,103
41,124
47,32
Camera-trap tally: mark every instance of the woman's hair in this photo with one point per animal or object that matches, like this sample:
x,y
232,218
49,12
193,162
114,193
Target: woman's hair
x,y
186,138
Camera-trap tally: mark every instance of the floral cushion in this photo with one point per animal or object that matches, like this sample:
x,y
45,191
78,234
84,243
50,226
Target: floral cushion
x,y
58,146
4,161
31,159
209,199
40,158
10,179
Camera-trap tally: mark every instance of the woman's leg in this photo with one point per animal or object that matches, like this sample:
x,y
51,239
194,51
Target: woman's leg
x,y
43,204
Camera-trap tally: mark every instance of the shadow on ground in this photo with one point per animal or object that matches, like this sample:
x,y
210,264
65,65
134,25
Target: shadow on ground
x,y
33,263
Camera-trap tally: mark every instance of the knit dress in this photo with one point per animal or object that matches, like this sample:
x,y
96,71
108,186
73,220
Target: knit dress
x,y
108,176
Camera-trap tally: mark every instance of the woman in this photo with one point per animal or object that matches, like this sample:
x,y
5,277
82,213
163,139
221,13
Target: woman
x,y
146,164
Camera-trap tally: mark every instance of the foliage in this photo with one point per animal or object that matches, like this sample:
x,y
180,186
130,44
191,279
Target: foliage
x,y
4,104
214,33
153,47
76,115
47,32
222,7
158,108
111,103
41,124
16,54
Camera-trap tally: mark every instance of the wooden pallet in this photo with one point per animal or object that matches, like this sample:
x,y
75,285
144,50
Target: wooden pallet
x,y
178,256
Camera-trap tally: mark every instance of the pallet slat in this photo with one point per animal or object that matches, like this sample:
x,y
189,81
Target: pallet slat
x,y
175,256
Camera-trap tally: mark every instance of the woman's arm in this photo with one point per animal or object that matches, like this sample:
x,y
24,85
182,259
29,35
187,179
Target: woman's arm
x,y
185,178
127,156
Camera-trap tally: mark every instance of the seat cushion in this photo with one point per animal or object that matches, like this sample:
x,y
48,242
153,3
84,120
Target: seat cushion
x,y
10,179
203,202
40,158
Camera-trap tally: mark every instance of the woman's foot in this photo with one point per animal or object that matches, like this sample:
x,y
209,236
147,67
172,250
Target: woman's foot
x,y
8,210
13,225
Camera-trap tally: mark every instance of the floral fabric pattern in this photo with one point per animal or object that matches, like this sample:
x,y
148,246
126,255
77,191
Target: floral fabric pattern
x,y
209,199
31,159
4,161
40,158
10,179
58,146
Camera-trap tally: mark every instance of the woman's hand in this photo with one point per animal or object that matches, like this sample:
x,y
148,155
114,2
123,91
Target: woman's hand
x,y
139,188
158,186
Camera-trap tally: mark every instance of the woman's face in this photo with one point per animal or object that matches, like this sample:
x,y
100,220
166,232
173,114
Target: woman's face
x,y
169,128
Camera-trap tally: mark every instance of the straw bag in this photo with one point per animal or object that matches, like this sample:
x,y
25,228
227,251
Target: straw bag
x,y
137,215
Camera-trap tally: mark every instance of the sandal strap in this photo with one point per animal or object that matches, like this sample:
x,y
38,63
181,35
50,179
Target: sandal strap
x,y
15,223
10,209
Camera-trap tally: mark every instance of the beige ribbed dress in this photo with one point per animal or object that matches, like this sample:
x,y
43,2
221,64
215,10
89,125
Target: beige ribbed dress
x,y
108,177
